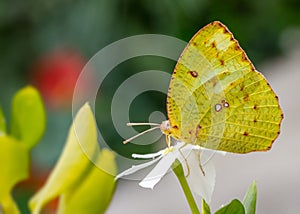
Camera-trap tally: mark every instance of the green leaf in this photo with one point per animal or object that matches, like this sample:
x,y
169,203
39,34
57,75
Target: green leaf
x,y
28,116
250,199
234,207
2,124
14,158
205,207
75,177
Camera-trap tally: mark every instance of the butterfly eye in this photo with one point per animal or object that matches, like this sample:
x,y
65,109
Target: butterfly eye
x,y
168,125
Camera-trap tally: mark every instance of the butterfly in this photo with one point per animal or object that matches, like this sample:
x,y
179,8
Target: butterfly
x,y
217,99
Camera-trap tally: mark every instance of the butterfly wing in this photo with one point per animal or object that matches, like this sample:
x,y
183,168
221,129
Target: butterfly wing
x,y
217,99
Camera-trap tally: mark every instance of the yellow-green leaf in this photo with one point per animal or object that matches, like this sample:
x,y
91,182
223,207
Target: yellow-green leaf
x,y
94,193
28,116
250,199
73,164
9,206
234,207
14,161
205,207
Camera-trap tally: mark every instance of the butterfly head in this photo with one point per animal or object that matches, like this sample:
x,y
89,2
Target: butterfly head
x,y
165,127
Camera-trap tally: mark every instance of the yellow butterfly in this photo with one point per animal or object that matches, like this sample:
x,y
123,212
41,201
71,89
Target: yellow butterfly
x,y
217,99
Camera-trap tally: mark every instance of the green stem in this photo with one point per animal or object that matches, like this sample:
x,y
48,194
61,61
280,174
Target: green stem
x,y
178,170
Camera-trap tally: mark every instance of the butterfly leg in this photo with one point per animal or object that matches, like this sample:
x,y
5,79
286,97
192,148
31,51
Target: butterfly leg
x,y
200,165
199,151
185,160
168,141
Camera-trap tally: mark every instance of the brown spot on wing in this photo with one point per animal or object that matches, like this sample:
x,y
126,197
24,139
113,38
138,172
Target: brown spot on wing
x,y
246,97
193,73
197,130
218,23
236,47
244,57
213,44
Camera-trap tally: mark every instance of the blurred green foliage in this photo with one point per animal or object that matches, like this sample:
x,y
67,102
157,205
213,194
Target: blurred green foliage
x,y
29,28
28,126
28,116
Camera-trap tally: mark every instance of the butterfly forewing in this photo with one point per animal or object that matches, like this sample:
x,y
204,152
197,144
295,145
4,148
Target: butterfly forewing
x,y
217,100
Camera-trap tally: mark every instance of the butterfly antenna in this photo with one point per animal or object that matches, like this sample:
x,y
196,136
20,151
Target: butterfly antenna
x,y
143,124
156,126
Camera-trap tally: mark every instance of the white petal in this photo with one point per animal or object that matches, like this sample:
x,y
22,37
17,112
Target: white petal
x,y
179,144
151,155
200,184
158,172
136,168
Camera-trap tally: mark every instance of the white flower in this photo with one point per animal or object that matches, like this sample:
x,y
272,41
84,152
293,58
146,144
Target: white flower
x,y
199,183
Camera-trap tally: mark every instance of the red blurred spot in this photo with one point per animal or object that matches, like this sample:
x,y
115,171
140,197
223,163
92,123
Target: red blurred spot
x,y
55,75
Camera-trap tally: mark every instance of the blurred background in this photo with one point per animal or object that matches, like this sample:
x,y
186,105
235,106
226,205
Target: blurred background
x,y
47,43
